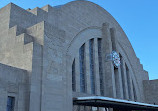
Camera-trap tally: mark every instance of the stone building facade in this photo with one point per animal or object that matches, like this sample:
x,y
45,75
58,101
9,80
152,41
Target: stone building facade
x,y
51,55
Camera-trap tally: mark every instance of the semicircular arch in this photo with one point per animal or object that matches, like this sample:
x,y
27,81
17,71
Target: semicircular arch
x,y
81,38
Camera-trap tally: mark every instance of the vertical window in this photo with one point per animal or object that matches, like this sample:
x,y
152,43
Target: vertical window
x,y
100,67
123,78
134,92
91,54
73,76
117,84
128,82
10,103
82,69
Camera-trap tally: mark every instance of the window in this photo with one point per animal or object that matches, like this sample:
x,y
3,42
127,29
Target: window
x,y
73,77
10,103
123,78
82,69
92,76
134,92
100,67
117,84
128,82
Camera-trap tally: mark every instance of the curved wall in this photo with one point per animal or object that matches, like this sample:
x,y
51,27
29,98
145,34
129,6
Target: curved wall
x,y
78,17
52,38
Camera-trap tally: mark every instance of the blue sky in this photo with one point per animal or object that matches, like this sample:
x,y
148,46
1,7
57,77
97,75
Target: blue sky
x,y
138,18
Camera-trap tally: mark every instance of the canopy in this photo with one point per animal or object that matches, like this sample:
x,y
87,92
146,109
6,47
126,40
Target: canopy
x,y
99,101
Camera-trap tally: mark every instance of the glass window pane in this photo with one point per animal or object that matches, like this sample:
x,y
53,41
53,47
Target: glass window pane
x,y
91,57
82,68
10,103
73,77
100,66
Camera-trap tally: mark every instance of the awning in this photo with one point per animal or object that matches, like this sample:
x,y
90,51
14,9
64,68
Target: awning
x,y
99,101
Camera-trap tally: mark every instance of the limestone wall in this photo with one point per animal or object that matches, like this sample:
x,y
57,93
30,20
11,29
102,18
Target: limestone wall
x,y
150,90
14,82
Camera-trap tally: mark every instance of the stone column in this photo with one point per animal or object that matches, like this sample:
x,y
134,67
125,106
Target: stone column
x,y
87,63
96,67
118,77
108,68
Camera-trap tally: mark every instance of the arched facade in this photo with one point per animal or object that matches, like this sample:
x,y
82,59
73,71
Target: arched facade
x,y
72,57
88,68
125,84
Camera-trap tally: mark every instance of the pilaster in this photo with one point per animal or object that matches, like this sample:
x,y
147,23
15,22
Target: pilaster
x,y
107,65
118,77
96,67
87,59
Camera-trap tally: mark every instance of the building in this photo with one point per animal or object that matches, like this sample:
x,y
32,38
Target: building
x,y
69,57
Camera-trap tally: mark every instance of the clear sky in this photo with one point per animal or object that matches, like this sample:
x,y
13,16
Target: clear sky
x,y
138,18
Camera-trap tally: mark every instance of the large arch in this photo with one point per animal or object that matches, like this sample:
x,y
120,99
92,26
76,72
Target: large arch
x,y
80,27
77,20
81,38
